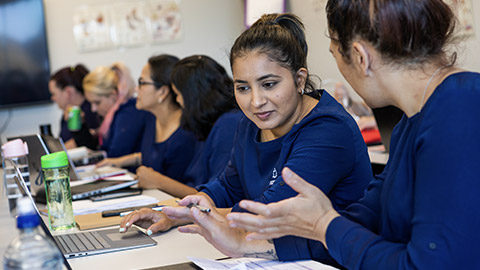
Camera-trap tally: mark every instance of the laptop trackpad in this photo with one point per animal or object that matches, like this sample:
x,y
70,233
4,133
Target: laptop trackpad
x,y
116,236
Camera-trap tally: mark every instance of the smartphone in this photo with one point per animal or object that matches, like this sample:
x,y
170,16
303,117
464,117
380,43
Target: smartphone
x,y
117,194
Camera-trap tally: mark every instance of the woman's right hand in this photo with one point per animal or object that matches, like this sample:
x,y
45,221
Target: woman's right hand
x,y
151,220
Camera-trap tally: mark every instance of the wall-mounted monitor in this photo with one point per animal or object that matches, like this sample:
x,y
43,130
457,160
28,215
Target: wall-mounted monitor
x,y
24,62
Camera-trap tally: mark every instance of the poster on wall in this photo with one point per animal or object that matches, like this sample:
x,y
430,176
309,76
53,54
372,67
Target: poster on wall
x,y
128,27
463,11
165,21
91,28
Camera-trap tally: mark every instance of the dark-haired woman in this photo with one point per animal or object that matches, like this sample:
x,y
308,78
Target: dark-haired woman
x,y
66,90
167,148
288,123
422,211
204,91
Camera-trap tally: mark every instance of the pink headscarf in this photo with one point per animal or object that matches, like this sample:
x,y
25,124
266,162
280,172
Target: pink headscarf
x,y
125,88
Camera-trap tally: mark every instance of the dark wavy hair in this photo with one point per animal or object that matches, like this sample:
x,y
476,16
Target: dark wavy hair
x,y
404,32
207,93
161,67
279,36
70,76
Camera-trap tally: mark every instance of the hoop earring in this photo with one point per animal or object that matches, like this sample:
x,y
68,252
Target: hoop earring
x,y
302,92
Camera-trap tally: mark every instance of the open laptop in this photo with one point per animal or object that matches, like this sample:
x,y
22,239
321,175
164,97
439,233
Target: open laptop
x,y
89,242
56,144
40,145
387,118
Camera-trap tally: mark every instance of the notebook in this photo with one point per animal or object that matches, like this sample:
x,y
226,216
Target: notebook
x,y
90,242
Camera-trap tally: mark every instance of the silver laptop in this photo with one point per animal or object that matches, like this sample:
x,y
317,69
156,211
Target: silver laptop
x,y
90,242
56,144
40,145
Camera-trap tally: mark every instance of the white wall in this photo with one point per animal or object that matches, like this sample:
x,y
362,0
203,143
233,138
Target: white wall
x,y
321,62
210,27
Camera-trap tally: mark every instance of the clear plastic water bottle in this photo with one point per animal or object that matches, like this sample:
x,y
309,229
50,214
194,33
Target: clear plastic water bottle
x,y
14,154
57,188
30,249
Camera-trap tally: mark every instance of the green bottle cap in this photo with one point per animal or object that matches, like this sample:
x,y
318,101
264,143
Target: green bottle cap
x,y
54,160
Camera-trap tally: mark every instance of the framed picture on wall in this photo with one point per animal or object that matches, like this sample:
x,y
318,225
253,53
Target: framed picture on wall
x,y
463,11
165,20
91,28
254,9
128,26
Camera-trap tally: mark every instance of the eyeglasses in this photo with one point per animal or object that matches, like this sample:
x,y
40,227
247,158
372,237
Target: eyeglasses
x,y
141,83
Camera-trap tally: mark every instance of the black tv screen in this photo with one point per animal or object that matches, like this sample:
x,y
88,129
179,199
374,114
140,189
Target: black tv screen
x,y
24,63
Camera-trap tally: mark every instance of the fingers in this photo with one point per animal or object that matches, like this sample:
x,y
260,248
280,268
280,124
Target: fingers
x,y
163,224
297,183
256,207
141,217
177,212
211,222
189,229
195,199
249,222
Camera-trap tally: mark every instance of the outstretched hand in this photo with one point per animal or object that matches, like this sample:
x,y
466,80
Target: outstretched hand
x,y
214,228
151,220
306,215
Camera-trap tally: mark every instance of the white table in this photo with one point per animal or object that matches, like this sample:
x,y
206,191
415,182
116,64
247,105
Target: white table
x,y
172,247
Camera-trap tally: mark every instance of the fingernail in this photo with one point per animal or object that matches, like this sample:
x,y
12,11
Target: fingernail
x,y
121,230
233,225
128,224
149,232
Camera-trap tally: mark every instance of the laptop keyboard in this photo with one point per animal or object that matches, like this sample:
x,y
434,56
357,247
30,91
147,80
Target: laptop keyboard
x,y
79,242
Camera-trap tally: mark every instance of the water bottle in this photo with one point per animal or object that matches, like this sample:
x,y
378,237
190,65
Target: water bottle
x,y
57,189
30,249
14,154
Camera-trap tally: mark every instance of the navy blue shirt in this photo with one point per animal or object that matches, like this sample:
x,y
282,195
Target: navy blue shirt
x,y
92,121
126,130
170,157
325,148
422,212
212,155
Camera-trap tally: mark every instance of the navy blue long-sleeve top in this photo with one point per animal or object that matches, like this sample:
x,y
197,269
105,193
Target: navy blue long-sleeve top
x,y
126,130
213,154
422,212
170,157
326,148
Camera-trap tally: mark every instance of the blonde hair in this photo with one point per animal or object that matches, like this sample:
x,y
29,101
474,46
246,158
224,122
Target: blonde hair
x,y
104,81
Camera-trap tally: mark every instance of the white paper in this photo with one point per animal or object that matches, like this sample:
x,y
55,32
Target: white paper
x,y
252,263
83,207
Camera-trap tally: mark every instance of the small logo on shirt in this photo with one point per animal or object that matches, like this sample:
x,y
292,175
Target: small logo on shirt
x,y
274,176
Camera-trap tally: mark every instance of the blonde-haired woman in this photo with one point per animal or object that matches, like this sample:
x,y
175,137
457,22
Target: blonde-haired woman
x,y
110,92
